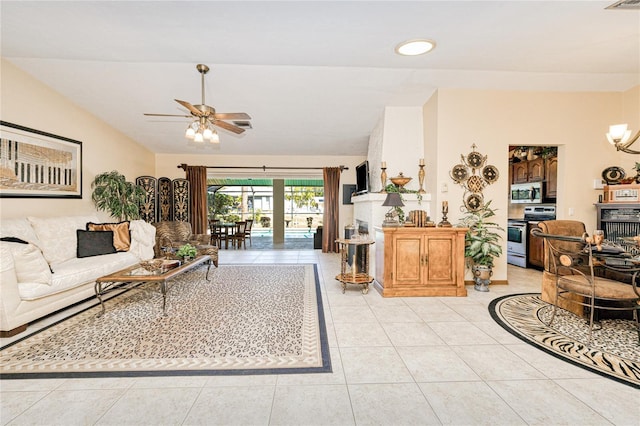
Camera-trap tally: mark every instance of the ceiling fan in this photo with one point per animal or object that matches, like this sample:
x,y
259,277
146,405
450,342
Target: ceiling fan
x,y
206,117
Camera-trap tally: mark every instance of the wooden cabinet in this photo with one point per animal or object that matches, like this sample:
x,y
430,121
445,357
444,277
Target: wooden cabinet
x,y
528,171
535,249
420,261
551,176
536,170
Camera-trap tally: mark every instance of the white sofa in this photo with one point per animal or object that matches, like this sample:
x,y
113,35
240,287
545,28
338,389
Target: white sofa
x,y
44,276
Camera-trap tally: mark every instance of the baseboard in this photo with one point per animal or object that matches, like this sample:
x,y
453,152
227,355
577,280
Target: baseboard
x,y
493,282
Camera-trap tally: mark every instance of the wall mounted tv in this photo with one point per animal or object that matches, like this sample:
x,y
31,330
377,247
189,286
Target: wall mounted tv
x,y
362,178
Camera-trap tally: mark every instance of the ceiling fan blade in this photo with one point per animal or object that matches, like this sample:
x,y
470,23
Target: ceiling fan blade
x,y
227,126
232,116
195,111
166,115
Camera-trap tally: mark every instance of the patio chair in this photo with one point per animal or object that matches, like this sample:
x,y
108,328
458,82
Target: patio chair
x,y
239,236
247,231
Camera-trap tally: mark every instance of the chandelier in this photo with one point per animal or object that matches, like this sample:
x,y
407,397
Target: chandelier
x,y
620,137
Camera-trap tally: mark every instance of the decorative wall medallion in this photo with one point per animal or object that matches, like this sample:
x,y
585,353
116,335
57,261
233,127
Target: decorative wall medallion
x,y
459,173
490,173
474,176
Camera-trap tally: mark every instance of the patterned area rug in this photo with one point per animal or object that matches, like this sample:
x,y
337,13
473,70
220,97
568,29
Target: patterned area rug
x,y
248,319
614,350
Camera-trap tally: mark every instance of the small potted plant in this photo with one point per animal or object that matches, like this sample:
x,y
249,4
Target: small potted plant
x,y
482,244
187,252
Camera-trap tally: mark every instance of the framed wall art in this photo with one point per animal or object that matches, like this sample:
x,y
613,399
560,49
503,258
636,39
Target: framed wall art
x,y
38,164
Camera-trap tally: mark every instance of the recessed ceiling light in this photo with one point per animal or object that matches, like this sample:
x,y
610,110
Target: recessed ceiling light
x,y
415,47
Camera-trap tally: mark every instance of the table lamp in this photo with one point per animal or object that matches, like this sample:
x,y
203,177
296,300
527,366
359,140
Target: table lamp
x,y
393,200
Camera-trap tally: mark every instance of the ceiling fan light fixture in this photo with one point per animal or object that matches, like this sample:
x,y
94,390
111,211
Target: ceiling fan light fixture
x,y
415,47
198,137
215,139
207,134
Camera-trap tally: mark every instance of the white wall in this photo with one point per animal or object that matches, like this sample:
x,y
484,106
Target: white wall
x,y
576,122
28,102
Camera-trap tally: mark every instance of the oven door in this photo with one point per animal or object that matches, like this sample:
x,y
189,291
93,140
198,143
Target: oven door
x,y
517,243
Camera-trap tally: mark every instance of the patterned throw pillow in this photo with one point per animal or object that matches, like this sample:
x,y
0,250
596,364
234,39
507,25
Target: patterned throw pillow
x,y
121,233
94,243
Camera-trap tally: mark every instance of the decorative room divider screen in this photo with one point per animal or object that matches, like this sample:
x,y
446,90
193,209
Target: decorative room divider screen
x,y
165,199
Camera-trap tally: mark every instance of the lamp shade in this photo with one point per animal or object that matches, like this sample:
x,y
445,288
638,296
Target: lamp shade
x,y
393,200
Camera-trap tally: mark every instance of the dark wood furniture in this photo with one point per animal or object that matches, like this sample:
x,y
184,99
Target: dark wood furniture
x,y
420,261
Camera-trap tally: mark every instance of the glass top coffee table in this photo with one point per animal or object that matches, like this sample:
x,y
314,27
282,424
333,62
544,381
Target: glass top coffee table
x,y
136,275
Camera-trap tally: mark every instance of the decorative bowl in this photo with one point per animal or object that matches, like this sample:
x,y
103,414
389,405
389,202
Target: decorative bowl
x,y
400,181
151,265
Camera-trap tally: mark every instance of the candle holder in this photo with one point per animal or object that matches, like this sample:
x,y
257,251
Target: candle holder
x,y
421,179
444,223
383,180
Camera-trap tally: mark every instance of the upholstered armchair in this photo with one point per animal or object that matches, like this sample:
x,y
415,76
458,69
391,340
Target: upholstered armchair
x,y
175,234
567,228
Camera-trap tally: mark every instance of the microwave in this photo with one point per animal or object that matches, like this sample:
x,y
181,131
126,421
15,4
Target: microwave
x,y
526,193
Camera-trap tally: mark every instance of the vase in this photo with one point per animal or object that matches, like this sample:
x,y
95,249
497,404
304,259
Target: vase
x,y
482,277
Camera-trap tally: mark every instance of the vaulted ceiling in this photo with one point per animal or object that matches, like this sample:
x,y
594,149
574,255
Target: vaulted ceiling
x,y
314,75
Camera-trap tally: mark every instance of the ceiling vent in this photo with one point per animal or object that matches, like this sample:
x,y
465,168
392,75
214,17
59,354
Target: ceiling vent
x,y
246,124
625,4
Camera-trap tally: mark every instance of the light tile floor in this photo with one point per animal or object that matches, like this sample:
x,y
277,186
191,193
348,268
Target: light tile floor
x,y
396,361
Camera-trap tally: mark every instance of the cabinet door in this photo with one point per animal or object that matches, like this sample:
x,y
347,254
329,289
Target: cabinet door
x,y
520,172
439,260
552,177
536,170
407,260
535,250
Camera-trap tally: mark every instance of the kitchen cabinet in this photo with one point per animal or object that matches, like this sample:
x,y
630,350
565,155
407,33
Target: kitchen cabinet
x,y
535,248
551,176
420,261
528,171
536,170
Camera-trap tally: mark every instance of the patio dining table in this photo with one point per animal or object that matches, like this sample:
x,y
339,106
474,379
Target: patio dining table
x,y
227,231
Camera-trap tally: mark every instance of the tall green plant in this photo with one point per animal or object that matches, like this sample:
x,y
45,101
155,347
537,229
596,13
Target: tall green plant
x,y
482,240
112,193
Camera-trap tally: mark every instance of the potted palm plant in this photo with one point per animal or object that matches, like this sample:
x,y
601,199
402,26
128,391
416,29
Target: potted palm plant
x,y
482,244
112,193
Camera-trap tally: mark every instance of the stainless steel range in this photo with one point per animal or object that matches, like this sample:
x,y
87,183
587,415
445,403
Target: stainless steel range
x,y
518,232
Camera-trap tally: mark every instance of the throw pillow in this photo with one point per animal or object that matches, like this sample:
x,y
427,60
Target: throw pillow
x,y
29,263
94,243
121,233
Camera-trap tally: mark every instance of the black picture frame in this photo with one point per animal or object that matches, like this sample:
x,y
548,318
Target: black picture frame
x,y
347,191
37,164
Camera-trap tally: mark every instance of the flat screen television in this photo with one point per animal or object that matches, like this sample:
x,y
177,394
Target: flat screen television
x,y
362,178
